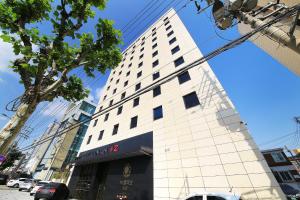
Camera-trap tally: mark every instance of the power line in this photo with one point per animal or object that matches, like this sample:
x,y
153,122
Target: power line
x,y
138,16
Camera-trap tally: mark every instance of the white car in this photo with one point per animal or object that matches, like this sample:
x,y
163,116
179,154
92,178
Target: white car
x,y
37,186
213,196
27,185
15,182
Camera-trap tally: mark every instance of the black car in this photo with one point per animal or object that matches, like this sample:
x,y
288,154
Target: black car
x,y
3,179
52,191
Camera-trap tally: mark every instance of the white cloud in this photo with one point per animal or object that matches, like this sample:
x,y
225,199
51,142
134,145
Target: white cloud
x,y
2,118
6,55
56,109
99,92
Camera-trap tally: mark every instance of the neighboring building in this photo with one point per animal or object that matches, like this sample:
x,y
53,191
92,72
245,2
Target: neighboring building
x,y
282,168
182,137
283,54
40,150
65,147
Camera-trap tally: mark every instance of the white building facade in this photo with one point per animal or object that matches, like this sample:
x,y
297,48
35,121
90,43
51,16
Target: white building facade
x,y
182,137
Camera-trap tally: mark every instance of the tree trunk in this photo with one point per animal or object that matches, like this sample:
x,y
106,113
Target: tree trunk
x,y
12,129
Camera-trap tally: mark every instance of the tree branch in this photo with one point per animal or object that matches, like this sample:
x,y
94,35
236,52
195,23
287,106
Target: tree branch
x,y
25,76
56,84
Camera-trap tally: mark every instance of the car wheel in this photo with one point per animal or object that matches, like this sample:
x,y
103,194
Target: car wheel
x,y
31,194
16,185
20,189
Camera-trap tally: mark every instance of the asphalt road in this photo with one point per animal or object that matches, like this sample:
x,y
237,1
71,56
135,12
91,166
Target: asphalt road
x,y
7,193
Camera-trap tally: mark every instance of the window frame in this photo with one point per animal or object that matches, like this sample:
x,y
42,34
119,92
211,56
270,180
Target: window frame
x,y
133,122
115,129
158,113
187,100
101,133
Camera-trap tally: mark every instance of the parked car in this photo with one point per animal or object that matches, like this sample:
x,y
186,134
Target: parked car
x,y
15,182
290,192
27,185
213,196
3,179
38,186
52,191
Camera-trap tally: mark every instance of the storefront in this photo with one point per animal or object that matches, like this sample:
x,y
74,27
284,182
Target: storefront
x,y
122,170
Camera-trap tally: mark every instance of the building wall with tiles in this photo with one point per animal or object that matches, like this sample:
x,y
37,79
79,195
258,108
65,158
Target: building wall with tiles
x,y
205,147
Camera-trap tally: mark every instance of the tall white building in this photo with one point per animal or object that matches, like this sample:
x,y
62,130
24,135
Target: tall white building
x,y
182,137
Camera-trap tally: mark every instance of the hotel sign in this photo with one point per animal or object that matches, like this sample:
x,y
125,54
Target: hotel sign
x,y
125,148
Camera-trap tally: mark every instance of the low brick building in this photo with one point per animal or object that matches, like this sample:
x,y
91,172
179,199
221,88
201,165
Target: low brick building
x,y
283,169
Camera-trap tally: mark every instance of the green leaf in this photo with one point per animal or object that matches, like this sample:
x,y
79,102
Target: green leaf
x,y
5,38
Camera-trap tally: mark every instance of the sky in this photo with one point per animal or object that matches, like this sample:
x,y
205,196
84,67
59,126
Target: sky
x,y
265,92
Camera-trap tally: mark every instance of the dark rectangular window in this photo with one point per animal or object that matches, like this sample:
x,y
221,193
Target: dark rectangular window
x,y
182,78
128,73
191,100
106,117
122,65
139,74
136,102
125,83
111,79
100,108
101,135
111,102
141,56
155,45
157,113
131,57
115,130
89,139
133,47
153,29
154,39
155,63
172,40
95,122
123,95
133,122
155,53
115,90
137,86
156,91
170,33
168,28
108,87
142,49
178,61
168,22
120,109
117,81
143,38
140,64
120,73
155,75
175,49
114,72
104,97
165,19
142,43
129,65
153,34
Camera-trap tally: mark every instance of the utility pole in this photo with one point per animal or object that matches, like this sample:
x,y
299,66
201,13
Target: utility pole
x,y
250,14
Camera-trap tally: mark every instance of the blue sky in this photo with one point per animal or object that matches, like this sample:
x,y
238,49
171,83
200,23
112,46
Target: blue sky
x,y
264,92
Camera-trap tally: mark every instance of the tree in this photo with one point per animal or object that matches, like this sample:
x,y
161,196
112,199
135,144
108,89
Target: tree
x,y
12,156
45,61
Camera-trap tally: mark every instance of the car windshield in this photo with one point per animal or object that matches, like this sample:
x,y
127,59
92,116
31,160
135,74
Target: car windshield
x,y
22,179
42,183
51,185
28,181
